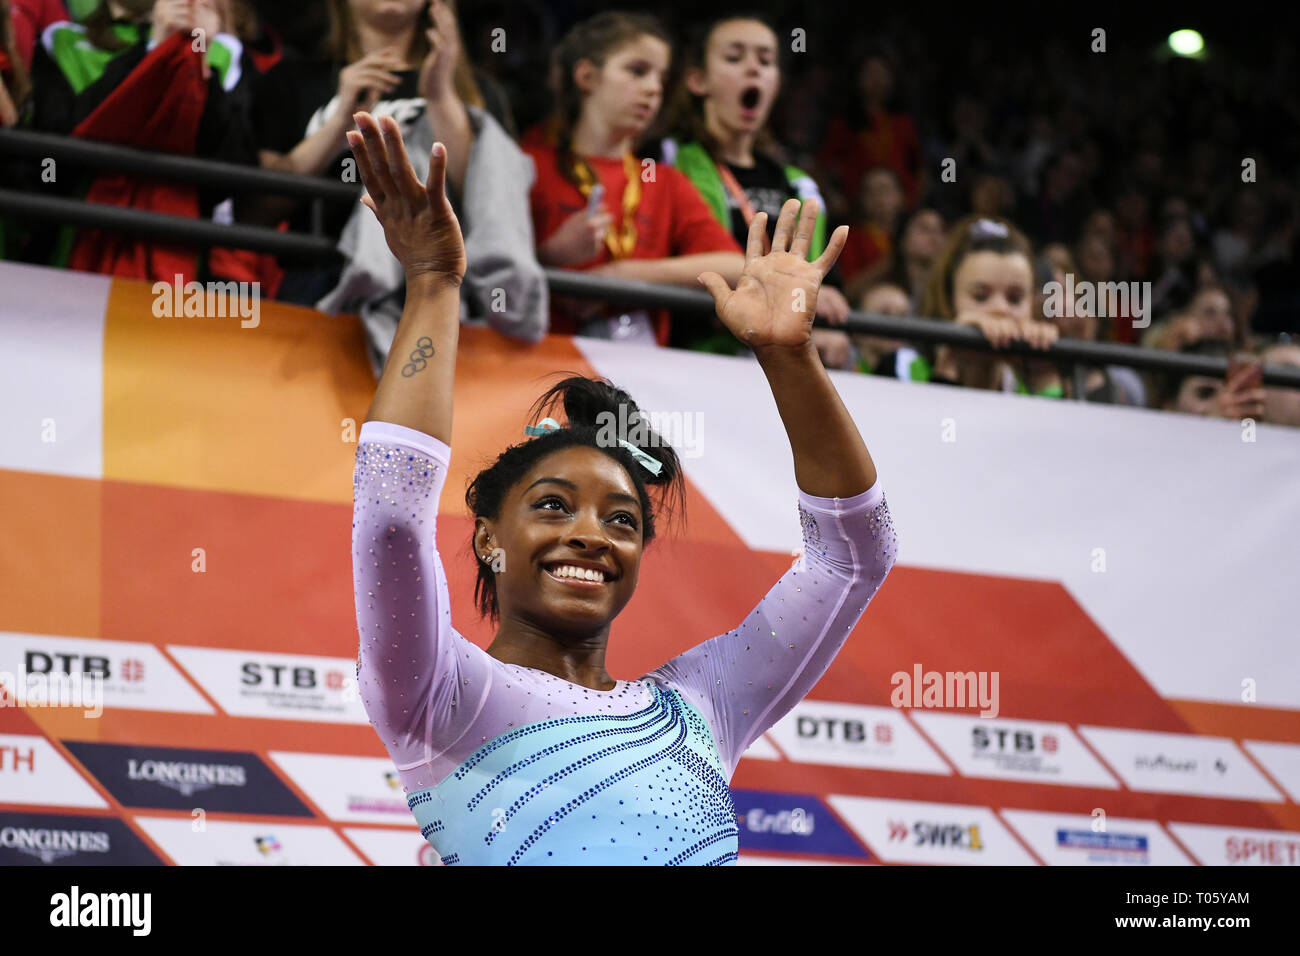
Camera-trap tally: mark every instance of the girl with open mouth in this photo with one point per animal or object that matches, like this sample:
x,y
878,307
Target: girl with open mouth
x,y
720,114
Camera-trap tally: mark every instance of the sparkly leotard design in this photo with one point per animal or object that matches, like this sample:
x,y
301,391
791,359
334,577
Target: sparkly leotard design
x,y
505,764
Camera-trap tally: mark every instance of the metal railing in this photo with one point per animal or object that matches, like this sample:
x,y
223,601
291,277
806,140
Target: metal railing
x,y
1079,354
187,169
1075,352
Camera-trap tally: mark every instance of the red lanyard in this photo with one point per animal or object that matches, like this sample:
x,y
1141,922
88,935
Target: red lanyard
x,y
738,194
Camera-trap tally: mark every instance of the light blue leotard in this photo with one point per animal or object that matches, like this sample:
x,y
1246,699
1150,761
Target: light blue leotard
x,y
505,764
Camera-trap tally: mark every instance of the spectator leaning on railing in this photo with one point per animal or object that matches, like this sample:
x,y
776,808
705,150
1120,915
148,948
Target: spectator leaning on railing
x,y
1109,384
162,76
1207,316
1237,396
720,112
595,206
985,278
488,180
877,355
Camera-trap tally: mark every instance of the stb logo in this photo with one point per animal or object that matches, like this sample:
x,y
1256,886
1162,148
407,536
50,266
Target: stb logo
x,y
1016,741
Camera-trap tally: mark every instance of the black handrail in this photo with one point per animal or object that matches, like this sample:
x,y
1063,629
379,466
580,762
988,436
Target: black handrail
x,y
188,169
909,328
154,225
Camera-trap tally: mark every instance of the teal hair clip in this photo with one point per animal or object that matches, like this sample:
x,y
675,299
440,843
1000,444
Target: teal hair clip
x,y
542,427
652,465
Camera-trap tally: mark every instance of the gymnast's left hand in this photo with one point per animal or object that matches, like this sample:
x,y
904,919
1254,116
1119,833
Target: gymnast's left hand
x,y
773,304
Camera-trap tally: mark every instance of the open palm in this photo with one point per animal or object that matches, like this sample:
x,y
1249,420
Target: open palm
x,y
419,224
775,299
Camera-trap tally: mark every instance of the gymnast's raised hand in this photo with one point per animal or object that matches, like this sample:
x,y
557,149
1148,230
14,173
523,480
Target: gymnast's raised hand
x,y
415,389
775,299
419,223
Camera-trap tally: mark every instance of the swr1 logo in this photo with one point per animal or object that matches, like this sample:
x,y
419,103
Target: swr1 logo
x,y
948,835
1022,741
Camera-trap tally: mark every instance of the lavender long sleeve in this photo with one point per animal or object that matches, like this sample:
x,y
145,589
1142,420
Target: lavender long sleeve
x,y
435,698
746,680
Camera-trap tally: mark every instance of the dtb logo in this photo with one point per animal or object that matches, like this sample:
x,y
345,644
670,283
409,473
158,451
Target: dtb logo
x,y
832,729
40,662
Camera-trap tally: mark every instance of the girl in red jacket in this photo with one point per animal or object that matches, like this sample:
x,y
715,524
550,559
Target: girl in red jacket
x,y
596,206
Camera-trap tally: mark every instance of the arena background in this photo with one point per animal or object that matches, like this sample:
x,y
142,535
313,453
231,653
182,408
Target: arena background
x,y
1128,574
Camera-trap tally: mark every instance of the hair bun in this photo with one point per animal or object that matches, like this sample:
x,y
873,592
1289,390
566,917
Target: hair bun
x,y
598,404
588,401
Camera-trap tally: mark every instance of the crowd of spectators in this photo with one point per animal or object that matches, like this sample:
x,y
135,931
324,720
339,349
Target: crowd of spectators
x,y
976,176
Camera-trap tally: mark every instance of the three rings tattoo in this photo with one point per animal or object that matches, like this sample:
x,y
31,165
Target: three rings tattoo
x,y
419,357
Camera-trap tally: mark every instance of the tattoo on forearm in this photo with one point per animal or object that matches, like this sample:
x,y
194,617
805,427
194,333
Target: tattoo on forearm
x,y
420,356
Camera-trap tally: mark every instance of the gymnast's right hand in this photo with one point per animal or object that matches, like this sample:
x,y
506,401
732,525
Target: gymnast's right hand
x,y
421,229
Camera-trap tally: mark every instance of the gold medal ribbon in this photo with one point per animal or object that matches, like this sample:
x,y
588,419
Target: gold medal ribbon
x,y
623,241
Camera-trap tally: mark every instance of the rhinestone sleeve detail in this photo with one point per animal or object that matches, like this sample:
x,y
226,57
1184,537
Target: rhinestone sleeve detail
x,y
746,680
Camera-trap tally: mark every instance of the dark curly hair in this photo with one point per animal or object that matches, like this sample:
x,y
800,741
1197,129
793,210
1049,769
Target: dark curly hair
x,y
584,400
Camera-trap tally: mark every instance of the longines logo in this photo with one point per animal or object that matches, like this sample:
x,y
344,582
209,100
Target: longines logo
x,y
186,778
49,846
